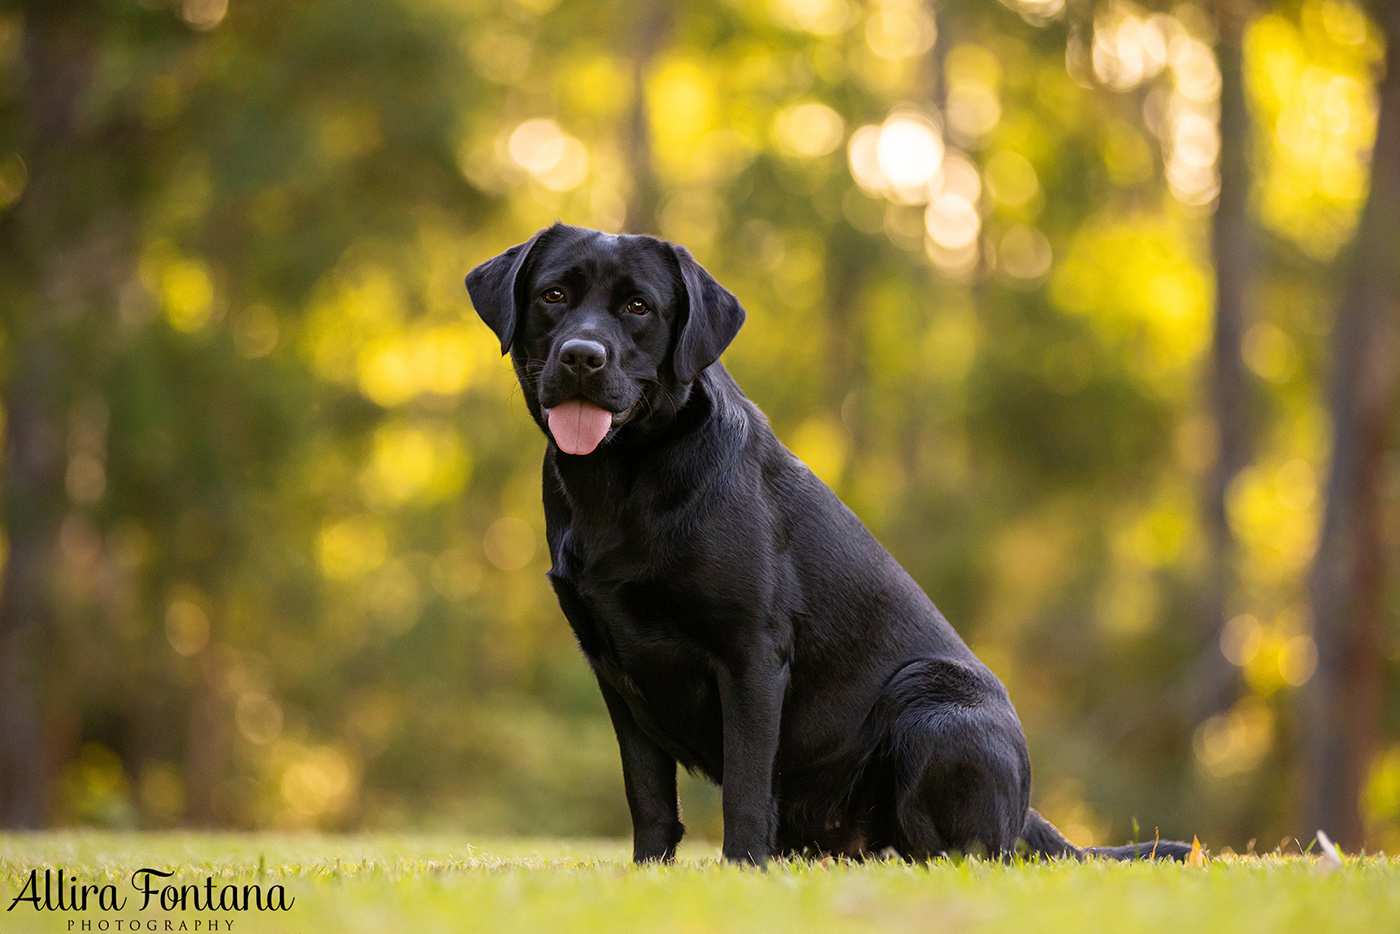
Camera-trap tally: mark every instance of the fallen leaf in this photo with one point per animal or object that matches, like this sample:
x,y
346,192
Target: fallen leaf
x,y
1331,858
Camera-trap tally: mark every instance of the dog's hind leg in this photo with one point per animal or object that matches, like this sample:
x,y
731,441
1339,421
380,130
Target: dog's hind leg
x,y
962,773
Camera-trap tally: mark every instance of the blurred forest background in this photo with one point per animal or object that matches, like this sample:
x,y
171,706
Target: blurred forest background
x,y
1089,308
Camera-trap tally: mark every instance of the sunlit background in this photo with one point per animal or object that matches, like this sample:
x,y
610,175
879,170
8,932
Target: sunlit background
x,y
273,519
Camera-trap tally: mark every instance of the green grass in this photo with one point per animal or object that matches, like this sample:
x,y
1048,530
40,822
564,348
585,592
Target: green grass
x,y
421,884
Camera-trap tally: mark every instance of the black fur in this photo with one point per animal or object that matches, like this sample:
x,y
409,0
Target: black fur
x,y
741,621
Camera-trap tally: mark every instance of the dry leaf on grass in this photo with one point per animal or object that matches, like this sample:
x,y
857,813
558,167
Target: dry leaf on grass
x,y
1331,858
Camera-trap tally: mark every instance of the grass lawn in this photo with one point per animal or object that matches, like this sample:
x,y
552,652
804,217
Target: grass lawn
x,y
422,884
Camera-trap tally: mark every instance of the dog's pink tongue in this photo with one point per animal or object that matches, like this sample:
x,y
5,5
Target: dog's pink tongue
x,y
578,427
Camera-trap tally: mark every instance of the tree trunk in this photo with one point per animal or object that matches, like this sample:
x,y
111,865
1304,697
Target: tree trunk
x,y
207,744
1343,700
653,22
1232,254
58,46
32,469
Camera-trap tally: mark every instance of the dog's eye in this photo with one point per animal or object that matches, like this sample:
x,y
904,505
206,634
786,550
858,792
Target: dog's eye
x,y
553,296
636,306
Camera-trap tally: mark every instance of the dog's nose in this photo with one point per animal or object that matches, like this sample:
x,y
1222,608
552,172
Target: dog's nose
x,y
583,356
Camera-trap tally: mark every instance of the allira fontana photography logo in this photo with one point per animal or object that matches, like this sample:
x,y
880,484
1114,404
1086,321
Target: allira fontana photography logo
x,y
148,892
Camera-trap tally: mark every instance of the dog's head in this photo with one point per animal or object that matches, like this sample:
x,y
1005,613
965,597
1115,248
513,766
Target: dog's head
x,y
604,330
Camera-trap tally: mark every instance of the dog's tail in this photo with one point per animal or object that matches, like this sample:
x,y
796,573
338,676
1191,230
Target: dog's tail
x,y
1041,837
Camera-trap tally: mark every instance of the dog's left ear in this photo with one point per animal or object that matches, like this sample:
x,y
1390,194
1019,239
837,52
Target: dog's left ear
x,y
713,318
492,286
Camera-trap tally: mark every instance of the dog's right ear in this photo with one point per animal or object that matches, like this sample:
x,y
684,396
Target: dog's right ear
x,y
493,289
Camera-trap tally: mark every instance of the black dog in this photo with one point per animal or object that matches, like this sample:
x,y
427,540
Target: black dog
x,y
741,621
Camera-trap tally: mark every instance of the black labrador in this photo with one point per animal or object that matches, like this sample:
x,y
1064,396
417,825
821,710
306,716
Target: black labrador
x,y
741,621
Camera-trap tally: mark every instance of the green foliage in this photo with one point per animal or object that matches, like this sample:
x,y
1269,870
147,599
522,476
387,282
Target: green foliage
x,y
297,573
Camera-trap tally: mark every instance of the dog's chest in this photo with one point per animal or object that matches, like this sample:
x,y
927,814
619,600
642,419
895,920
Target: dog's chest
x,y
661,594
651,639
641,619
655,594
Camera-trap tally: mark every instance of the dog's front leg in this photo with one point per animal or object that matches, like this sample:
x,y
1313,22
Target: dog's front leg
x,y
751,695
649,777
